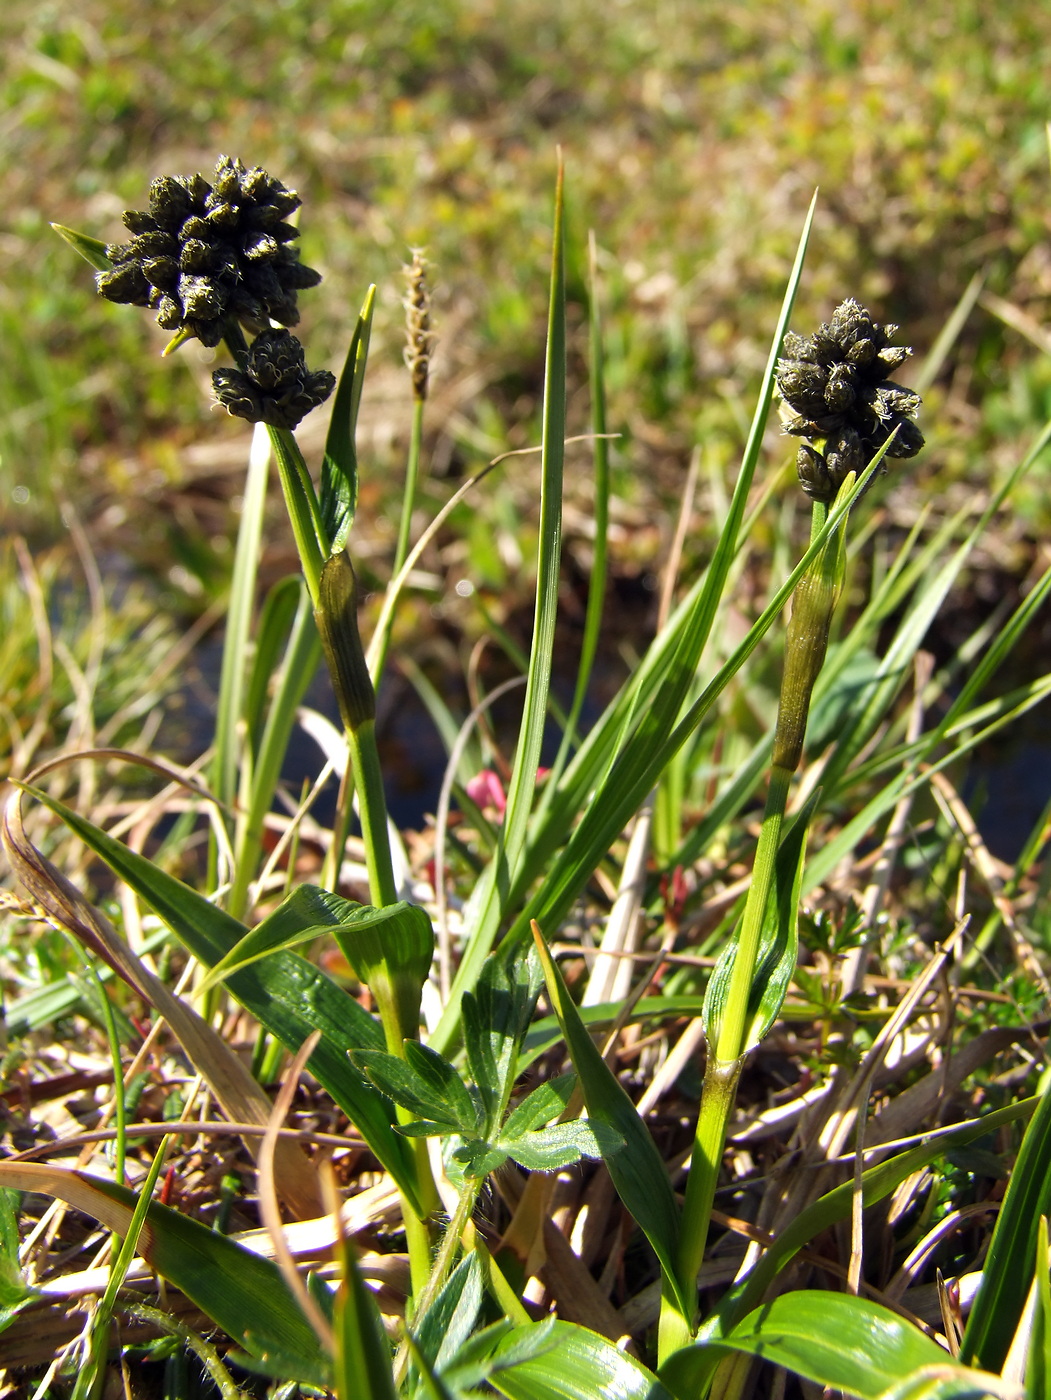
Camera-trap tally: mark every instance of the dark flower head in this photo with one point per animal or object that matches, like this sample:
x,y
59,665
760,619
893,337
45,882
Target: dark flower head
x,y
834,386
205,253
276,387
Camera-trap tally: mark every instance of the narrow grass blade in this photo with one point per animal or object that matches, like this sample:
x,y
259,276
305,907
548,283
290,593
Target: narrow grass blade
x,y
574,1364
301,660
653,699
232,676
500,872
1008,1271
637,1170
600,513
272,634
363,1363
839,1342
339,469
1038,1360
240,1291
778,944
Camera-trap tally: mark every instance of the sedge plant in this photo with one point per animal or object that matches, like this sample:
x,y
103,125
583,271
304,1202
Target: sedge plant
x,y
215,259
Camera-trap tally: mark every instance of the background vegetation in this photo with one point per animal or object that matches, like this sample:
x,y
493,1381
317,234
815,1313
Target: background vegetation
x,y
694,138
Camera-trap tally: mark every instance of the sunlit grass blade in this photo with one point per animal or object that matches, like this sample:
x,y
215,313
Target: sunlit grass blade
x,y
301,660
1008,1270
637,1170
339,469
276,619
843,1343
572,1363
600,512
232,678
500,872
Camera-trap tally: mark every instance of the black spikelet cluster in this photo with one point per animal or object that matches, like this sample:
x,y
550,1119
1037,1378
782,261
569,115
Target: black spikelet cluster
x,y
834,386
276,386
205,253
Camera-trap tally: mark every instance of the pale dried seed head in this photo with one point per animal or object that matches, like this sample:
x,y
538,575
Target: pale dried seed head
x,y
419,341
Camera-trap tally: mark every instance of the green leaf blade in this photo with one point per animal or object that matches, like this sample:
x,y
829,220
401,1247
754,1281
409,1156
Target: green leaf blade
x,y
638,1172
837,1341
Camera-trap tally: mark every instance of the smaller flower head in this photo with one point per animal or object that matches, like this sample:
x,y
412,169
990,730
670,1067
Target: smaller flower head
x,y
834,387
276,387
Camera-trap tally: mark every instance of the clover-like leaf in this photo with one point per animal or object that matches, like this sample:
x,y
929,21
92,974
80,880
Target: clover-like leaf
x,y
397,1079
545,1102
562,1144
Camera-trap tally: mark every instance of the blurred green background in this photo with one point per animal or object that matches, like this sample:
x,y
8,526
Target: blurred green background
x,y
694,136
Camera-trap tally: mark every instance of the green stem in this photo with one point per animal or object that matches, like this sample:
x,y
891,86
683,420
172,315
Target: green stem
x,y
336,612
301,503
417,1231
734,1021
442,1264
412,471
372,809
299,665
731,1039
717,1101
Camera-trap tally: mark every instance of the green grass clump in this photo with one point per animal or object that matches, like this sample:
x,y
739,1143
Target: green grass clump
x,y
630,879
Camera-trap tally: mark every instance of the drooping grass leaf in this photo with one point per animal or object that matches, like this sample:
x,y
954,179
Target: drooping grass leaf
x,y
840,1342
568,1362
286,994
307,913
241,1292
